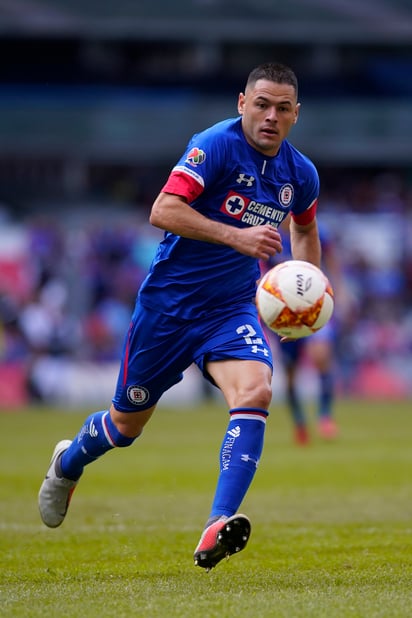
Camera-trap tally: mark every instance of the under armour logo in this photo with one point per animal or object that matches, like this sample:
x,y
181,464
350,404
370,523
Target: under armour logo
x,y
249,180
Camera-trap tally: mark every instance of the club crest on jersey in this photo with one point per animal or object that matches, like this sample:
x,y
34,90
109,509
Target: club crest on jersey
x,y
248,180
286,195
195,157
137,395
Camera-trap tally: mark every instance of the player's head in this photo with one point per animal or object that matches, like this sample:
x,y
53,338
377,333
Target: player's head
x,y
269,106
273,72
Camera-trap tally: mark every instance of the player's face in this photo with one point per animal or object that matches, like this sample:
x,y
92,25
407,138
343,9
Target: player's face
x,y
268,112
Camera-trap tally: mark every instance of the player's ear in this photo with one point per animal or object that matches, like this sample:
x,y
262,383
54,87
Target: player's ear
x,y
297,108
241,103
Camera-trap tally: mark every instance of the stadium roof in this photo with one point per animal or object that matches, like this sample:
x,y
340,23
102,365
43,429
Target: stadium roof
x,y
294,21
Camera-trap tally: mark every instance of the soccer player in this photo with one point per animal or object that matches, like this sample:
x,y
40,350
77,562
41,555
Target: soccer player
x,y
319,349
220,209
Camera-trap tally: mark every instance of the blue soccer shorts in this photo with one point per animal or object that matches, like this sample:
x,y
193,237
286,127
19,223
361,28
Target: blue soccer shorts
x,y
158,348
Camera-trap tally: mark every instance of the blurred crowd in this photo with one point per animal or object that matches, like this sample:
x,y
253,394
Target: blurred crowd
x,y
372,228
67,290
90,122
68,286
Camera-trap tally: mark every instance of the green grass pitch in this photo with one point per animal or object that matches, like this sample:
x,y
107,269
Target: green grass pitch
x,y
331,523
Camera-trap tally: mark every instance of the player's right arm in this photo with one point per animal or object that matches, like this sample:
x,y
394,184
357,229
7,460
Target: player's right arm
x,y
172,213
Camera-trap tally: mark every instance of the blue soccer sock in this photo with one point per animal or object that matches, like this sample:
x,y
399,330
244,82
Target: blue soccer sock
x,y
97,436
326,393
239,457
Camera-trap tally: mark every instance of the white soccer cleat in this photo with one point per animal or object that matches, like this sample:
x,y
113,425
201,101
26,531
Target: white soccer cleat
x,y
55,492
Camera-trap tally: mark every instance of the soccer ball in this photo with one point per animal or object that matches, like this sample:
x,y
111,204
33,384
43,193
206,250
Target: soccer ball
x,y
295,299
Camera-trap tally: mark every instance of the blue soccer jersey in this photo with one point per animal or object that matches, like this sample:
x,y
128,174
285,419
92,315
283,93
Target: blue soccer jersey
x,y
226,180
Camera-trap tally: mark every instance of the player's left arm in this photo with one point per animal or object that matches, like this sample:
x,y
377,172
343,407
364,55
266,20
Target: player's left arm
x,y
305,242
304,234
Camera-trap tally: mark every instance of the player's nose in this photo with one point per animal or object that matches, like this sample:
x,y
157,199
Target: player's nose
x,y
271,114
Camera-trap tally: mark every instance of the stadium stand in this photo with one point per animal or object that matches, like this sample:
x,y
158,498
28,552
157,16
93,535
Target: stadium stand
x,y
98,98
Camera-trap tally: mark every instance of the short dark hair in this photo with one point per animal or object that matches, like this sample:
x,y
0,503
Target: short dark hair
x,y
273,72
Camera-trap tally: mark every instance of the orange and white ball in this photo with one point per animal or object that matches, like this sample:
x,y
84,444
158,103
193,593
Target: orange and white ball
x,y
295,299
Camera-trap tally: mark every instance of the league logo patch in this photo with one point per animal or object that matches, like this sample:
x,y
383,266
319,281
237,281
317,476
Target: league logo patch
x,y
286,195
195,157
137,395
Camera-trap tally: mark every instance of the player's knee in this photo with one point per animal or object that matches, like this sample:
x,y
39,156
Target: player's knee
x,y
264,396
118,438
122,441
128,425
255,395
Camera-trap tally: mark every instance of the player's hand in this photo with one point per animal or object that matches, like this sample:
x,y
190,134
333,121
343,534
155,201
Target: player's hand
x,y
261,241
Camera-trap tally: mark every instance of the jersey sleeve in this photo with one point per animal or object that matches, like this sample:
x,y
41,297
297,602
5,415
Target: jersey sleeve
x,y
183,184
201,163
305,217
305,209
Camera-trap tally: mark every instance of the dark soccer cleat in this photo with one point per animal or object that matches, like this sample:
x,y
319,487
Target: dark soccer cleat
x,y
226,536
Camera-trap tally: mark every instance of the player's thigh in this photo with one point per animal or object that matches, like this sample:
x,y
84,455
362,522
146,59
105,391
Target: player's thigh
x,y
236,356
156,352
244,383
